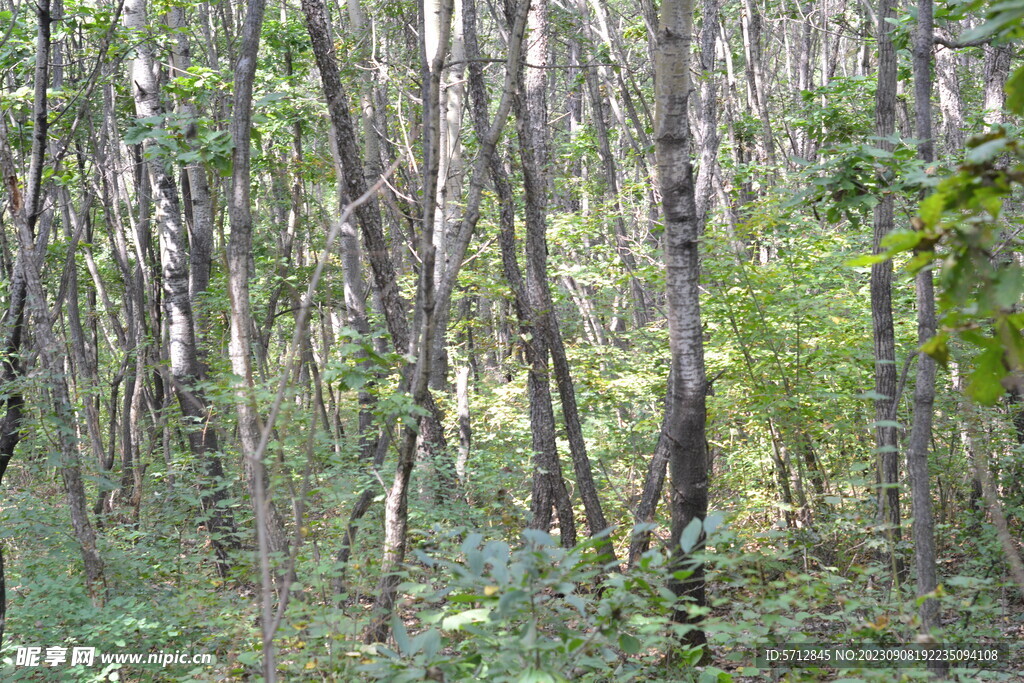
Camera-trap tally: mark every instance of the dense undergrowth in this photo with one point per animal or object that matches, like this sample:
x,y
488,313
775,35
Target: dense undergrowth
x,y
511,606
482,598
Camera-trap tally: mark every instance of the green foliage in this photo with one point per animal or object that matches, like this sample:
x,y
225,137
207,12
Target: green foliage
x,y
533,613
853,176
184,140
830,115
960,227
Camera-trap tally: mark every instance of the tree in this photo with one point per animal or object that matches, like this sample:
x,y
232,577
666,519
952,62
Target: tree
x,y
186,371
881,306
924,389
681,442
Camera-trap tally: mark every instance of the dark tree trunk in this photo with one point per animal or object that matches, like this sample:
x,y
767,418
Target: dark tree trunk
x,y
924,390
531,114
886,436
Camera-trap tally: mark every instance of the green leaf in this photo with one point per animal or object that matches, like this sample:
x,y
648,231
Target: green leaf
x,y
986,380
401,636
428,642
537,676
1015,92
937,347
930,211
920,261
712,674
867,260
984,152
691,534
871,395
1009,286
629,644
712,522
902,240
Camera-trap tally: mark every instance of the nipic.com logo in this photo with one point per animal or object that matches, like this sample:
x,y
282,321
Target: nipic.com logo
x,y
50,657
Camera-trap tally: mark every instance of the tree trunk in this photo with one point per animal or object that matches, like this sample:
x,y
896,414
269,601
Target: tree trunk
x,y
269,528
886,436
436,21
184,365
531,114
465,433
385,276
924,391
708,138
32,250
950,99
997,68
681,443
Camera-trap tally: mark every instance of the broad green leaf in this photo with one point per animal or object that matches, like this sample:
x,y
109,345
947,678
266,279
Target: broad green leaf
x,y
1009,286
712,522
866,260
401,636
1015,92
986,386
930,211
428,642
937,347
712,674
984,152
902,240
691,534
629,644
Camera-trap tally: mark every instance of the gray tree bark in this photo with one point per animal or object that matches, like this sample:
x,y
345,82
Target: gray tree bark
x,y
184,365
924,391
270,535
886,436
681,443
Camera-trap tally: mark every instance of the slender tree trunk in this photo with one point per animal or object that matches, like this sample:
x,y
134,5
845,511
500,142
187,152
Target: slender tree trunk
x,y
531,114
436,21
26,211
269,528
951,102
681,443
886,436
185,370
355,300
199,205
611,181
751,22
708,111
465,433
924,391
11,371
997,68
385,276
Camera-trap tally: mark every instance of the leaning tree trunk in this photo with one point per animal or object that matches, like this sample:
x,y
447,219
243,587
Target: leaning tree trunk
x,y
531,114
436,23
28,297
385,276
